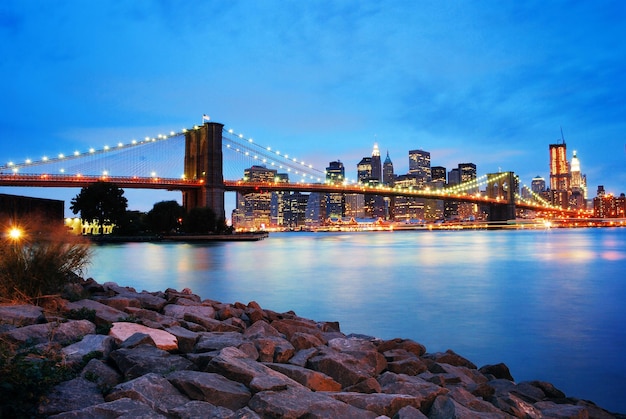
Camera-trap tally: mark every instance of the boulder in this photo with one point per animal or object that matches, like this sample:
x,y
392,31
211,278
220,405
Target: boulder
x,y
405,344
71,395
101,374
104,313
345,368
212,388
379,403
214,341
274,349
145,359
162,339
295,403
151,389
122,408
61,333
21,315
199,409
179,311
290,326
98,345
445,407
313,380
422,390
498,371
450,357
235,365
185,337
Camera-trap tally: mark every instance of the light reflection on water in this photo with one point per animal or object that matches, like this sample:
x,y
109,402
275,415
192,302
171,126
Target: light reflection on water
x,y
547,303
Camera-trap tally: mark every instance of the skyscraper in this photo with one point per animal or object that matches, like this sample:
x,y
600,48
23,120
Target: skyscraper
x,y
388,175
335,202
560,177
419,166
254,208
438,174
538,185
377,168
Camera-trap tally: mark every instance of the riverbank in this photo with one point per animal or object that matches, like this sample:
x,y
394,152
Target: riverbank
x,y
171,354
182,238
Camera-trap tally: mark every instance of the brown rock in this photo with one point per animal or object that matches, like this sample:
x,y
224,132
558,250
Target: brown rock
x,y
313,380
212,388
162,339
150,389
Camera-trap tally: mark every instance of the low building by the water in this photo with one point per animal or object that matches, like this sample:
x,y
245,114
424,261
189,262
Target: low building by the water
x,y
15,207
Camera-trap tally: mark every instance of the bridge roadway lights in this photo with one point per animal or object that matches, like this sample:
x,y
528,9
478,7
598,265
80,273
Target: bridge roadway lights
x,y
204,160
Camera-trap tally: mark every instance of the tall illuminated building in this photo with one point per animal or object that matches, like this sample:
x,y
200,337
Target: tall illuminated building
x,y
560,177
538,185
578,179
335,202
254,209
419,166
438,174
377,167
388,175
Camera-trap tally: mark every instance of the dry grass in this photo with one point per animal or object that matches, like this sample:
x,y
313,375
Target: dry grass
x,y
41,262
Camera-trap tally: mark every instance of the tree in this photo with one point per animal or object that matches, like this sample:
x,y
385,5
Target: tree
x,y
100,202
203,221
165,216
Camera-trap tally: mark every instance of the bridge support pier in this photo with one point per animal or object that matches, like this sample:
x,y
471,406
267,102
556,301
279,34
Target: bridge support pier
x,y
204,161
503,186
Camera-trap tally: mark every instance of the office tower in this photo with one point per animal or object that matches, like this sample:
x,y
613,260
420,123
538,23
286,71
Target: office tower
x,y
335,202
315,210
467,172
454,177
355,205
538,185
438,174
388,175
419,166
578,179
364,170
377,168
277,202
295,210
560,177
254,208
408,208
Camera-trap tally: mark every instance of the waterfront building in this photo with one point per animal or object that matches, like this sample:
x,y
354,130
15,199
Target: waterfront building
x,y
388,175
277,202
467,173
538,185
560,177
438,174
419,166
335,202
253,210
578,198
355,205
369,172
295,210
315,210
408,208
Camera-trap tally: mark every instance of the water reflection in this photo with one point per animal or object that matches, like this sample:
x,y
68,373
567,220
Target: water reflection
x,y
548,303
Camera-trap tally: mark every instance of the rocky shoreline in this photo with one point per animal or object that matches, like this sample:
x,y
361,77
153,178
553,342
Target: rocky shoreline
x,y
172,355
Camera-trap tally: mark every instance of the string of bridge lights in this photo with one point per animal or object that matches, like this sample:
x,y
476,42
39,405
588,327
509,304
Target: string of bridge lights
x,y
249,148
15,167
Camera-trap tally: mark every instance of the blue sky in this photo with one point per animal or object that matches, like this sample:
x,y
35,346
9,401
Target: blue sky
x,y
489,82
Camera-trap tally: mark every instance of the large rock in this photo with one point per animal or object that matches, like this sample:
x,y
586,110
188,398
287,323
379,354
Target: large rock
x,y
104,313
450,357
98,345
152,390
70,395
101,374
235,365
290,326
162,339
345,368
381,404
122,408
179,311
145,359
313,380
295,403
199,409
61,333
21,315
445,407
185,337
423,390
212,388
215,341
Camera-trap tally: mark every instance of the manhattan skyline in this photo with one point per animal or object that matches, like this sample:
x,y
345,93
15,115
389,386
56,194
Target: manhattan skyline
x,y
491,84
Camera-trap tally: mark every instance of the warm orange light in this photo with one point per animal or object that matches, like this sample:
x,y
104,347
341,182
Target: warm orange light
x,y
15,233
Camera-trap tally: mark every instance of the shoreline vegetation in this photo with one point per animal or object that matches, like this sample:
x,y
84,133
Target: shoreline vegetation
x,y
104,350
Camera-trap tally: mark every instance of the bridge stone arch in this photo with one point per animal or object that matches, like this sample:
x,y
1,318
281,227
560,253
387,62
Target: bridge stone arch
x,y
503,186
204,161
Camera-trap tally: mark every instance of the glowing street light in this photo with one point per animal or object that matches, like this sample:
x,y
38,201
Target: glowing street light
x,y
15,233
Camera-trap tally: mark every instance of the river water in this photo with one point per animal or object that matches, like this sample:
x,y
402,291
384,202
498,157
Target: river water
x,y
548,303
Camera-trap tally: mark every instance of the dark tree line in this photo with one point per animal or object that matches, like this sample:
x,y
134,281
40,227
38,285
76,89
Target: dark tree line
x,y
103,202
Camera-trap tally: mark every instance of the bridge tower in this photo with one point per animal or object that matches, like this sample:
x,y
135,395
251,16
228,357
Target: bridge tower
x,y
203,160
503,186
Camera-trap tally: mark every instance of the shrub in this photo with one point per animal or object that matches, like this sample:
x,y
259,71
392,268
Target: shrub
x,y
41,261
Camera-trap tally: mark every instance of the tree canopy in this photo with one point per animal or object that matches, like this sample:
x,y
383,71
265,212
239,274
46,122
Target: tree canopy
x,y
100,202
165,217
